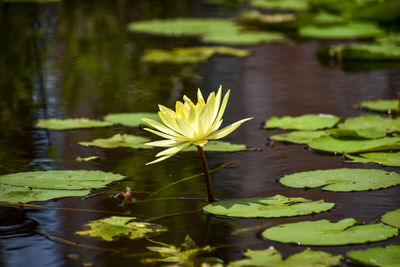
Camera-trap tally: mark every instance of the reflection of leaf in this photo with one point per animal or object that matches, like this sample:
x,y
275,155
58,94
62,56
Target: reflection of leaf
x,y
213,30
343,180
295,5
383,105
304,122
351,30
186,254
66,124
384,257
115,227
191,54
326,233
337,145
392,218
298,137
272,258
119,140
387,125
44,185
383,158
131,119
267,207
221,146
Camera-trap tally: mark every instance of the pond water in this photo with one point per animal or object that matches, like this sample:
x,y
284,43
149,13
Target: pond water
x,y
77,59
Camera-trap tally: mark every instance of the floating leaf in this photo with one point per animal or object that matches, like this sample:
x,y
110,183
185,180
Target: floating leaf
x,y
131,119
368,133
115,227
326,233
383,158
384,257
213,30
186,255
342,180
272,258
387,125
337,145
44,185
392,218
191,54
296,5
352,30
221,146
382,105
79,159
267,207
298,137
268,21
119,140
304,122
67,124
365,52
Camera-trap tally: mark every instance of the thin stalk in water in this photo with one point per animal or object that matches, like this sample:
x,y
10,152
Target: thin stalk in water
x,y
207,175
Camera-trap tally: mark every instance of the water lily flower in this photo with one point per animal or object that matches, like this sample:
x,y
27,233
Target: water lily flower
x,y
190,124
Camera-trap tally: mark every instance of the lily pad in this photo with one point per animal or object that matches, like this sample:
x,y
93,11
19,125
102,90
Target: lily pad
x,y
326,233
272,258
382,105
353,30
304,122
213,30
295,5
365,52
115,227
383,158
337,145
80,159
221,146
267,207
119,140
387,125
298,137
392,218
191,54
367,133
131,119
281,21
44,185
342,180
67,124
380,256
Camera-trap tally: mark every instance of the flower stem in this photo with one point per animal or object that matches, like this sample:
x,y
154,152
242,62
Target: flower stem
x,y
207,175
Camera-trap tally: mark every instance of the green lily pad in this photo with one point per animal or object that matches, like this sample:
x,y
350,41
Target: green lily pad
x,y
342,180
191,54
213,30
337,145
383,158
80,159
298,137
387,125
131,119
383,105
383,257
281,21
119,140
392,218
304,122
365,52
295,5
326,233
267,207
44,185
367,133
115,227
272,258
221,146
352,30
67,124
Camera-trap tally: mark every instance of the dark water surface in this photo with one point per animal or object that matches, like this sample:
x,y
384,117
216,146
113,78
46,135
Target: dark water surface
x,y
76,59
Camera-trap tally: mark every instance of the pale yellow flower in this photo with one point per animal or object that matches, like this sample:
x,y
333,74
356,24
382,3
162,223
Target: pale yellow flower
x,y
190,124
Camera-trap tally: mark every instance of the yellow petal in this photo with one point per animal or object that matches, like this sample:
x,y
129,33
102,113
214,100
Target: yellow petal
x,y
173,150
217,103
220,113
167,136
159,159
169,121
170,112
163,143
200,98
201,142
186,129
227,130
160,127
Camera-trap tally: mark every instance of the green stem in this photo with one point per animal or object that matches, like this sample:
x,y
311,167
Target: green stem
x,y
207,175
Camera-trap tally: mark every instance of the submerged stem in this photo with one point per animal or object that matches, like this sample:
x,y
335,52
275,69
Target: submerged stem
x,y
207,175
